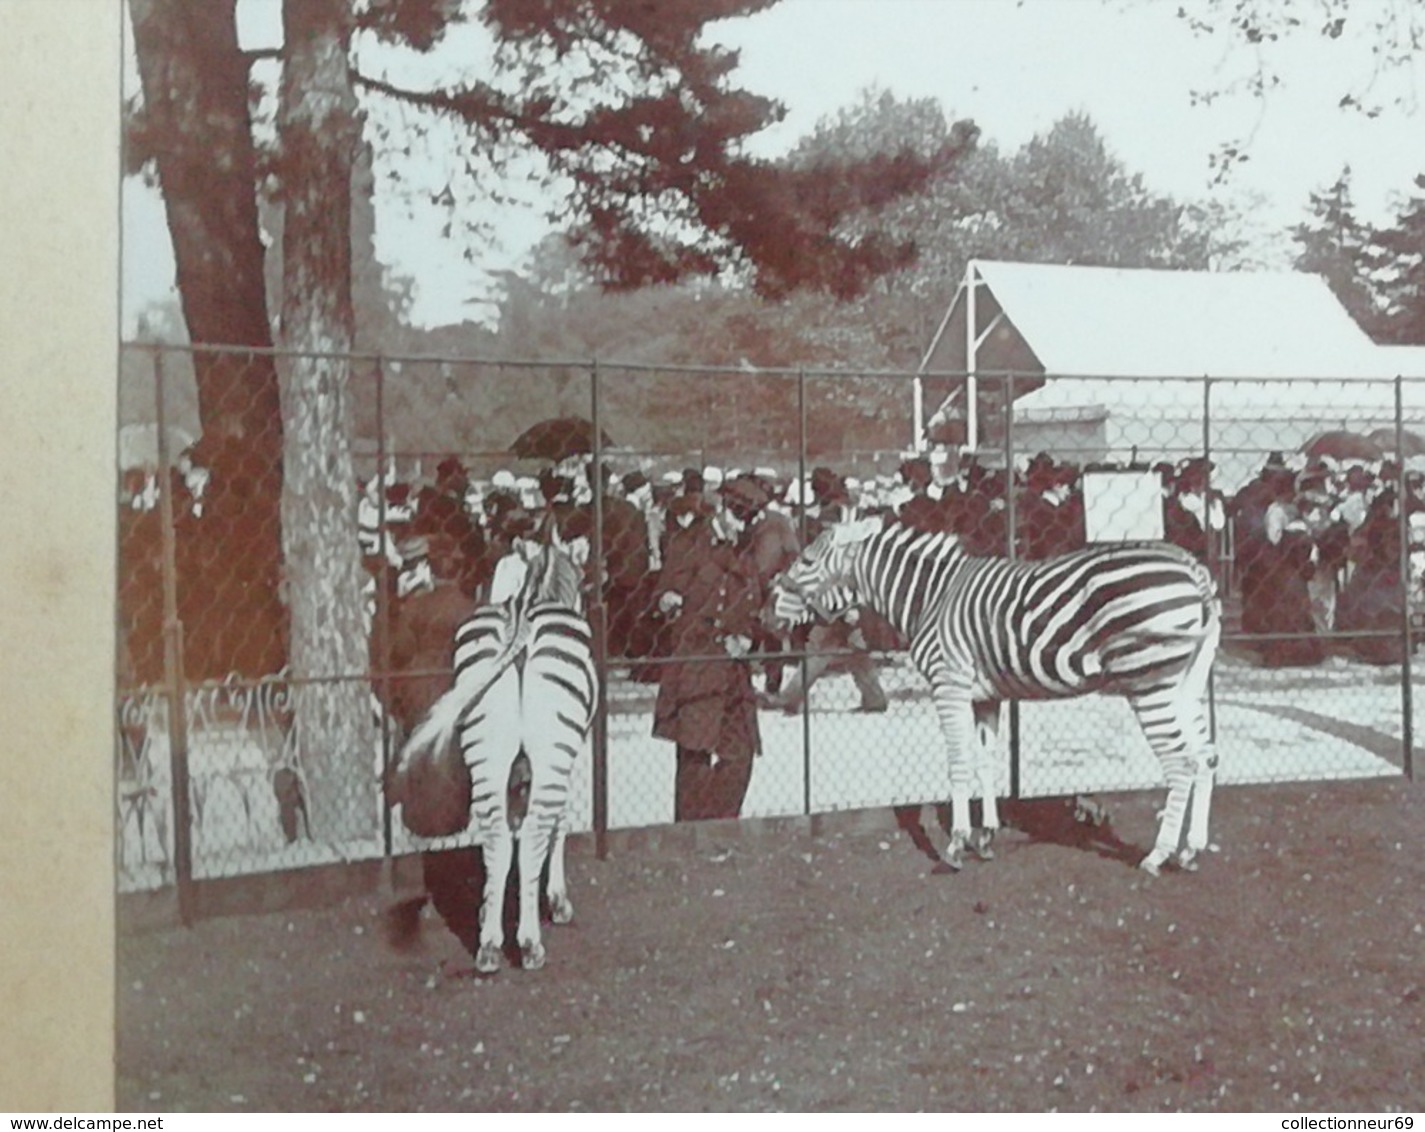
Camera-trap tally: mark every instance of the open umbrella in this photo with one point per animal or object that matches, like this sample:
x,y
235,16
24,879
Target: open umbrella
x,y
1340,444
1411,443
557,439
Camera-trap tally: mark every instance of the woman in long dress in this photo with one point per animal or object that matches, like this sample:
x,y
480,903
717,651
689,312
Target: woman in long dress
x,y
1373,598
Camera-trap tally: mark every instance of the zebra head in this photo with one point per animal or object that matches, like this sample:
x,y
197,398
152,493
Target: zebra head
x,y
819,583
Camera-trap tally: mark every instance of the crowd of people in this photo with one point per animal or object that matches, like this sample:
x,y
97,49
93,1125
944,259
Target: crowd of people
x,y
685,571
688,559
686,567
1318,559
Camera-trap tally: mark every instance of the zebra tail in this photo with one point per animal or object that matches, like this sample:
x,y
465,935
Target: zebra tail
x,y
437,729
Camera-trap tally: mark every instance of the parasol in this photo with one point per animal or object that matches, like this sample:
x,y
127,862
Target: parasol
x,y
557,439
1340,444
1411,443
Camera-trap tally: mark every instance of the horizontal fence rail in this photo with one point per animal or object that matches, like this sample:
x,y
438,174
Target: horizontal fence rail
x,y
273,658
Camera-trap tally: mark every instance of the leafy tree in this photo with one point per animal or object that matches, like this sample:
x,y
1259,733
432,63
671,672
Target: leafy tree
x,y
1067,199
320,129
1334,244
626,108
1393,32
193,128
1400,252
1062,198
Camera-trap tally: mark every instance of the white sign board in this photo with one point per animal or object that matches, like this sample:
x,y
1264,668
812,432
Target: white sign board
x,y
1123,506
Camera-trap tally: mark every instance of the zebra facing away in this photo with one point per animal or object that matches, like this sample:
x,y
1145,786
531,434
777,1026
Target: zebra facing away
x,y
1141,620
525,683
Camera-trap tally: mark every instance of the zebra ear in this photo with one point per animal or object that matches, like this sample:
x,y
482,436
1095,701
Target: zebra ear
x,y
858,530
578,551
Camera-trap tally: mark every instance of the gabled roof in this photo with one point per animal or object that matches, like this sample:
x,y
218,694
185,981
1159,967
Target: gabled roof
x,y
1108,322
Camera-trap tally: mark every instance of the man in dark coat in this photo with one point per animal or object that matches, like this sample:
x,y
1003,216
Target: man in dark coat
x,y
414,669
843,635
708,593
441,511
625,562
770,540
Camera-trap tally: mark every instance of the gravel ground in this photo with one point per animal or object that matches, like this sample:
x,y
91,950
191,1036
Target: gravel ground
x,y
749,971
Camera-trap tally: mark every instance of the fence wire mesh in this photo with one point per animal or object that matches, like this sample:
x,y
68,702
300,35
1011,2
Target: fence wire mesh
x,y
287,614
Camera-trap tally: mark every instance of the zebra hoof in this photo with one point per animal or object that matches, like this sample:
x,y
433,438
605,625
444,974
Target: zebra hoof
x,y
982,843
561,909
488,958
532,956
1152,864
1188,862
953,859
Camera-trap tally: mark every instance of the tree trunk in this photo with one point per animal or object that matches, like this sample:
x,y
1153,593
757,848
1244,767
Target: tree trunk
x,y
319,133
195,89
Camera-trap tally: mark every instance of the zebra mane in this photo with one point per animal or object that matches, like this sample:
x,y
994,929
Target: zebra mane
x,y
856,530
554,575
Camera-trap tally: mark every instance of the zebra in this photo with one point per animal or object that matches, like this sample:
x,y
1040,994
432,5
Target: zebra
x,y
1141,620
525,684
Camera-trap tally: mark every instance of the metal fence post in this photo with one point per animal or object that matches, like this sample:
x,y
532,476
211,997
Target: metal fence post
x,y
383,609
802,540
599,623
1012,521
177,687
1407,728
1212,557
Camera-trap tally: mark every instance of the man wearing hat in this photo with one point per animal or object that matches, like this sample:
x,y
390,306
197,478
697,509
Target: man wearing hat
x,y
709,597
416,650
627,560
440,510
845,633
1256,547
770,542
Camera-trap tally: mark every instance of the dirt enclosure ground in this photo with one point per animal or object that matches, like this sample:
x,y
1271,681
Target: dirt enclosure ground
x,y
756,971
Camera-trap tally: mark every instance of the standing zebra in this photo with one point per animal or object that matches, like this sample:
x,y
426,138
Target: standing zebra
x,y
525,683
1137,620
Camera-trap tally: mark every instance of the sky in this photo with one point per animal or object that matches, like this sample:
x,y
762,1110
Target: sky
x,y
1014,66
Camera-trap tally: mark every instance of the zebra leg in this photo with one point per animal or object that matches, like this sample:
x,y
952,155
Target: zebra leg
x,y
1198,733
1200,814
957,725
1170,827
498,851
988,714
489,742
534,846
1175,734
561,908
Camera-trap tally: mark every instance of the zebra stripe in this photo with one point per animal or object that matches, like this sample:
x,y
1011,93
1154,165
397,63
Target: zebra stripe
x,y
1138,620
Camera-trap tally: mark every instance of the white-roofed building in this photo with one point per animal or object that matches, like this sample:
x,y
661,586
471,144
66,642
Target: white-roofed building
x,y
1108,364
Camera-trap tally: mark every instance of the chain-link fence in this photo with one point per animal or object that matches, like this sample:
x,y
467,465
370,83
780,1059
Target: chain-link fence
x,y
291,582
